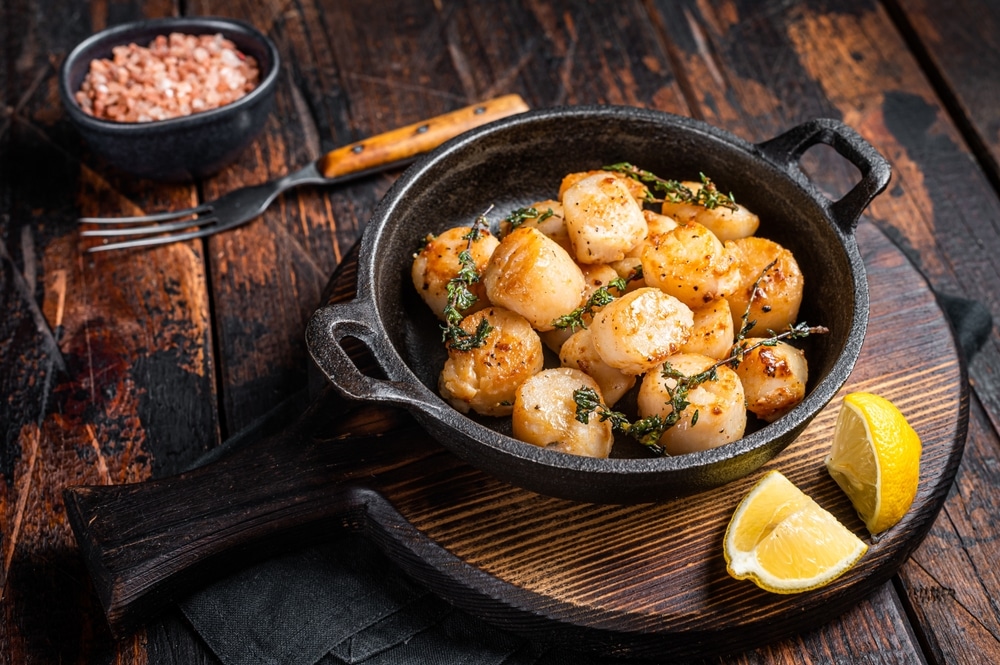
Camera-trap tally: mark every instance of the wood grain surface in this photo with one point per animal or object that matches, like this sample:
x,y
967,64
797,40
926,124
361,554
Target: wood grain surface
x,y
126,367
641,581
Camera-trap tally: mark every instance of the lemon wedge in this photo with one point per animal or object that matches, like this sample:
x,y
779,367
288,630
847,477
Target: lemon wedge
x,y
875,458
785,542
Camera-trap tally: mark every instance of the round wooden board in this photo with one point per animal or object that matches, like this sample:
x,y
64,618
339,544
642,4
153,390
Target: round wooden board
x,y
650,580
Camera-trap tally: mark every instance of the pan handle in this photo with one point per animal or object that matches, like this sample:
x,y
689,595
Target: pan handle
x,y
325,335
787,149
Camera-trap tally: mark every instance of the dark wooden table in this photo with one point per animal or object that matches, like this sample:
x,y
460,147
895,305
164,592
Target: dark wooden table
x,y
117,368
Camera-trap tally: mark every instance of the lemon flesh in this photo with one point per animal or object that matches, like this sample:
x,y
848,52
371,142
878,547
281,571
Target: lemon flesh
x,y
875,459
785,542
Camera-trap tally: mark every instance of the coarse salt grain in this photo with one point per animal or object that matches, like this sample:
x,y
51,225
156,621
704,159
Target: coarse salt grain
x,y
175,75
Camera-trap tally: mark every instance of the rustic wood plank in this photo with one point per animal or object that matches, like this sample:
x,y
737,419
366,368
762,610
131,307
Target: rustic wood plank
x,y
289,253
106,371
959,54
957,43
952,580
749,68
786,62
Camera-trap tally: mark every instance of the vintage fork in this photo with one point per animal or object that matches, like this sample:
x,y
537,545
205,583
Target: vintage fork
x,y
378,153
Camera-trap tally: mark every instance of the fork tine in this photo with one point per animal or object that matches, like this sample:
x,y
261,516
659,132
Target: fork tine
x,y
158,217
150,242
151,229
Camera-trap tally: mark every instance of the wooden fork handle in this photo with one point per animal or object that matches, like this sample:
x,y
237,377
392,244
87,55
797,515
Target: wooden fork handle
x,y
405,143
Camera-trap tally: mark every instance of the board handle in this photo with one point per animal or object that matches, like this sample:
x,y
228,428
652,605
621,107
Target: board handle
x,y
145,544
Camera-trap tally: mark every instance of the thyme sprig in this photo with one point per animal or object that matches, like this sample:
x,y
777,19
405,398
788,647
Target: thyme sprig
x,y
519,216
674,191
460,296
648,431
599,298
746,325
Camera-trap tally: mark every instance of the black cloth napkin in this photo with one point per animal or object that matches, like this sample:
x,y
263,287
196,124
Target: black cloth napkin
x,y
345,602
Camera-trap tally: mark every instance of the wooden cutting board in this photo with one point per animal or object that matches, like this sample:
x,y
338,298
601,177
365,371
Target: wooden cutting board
x,y
646,580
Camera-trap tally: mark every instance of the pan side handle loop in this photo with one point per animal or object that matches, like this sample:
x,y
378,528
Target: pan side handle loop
x,y
325,333
787,149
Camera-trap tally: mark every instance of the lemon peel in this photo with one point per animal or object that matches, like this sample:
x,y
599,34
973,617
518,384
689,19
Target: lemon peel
x,y
785,542
875,459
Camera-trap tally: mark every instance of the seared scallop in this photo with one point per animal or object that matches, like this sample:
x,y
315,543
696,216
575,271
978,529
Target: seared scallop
x,y
719,404
725,222
545,414
437,263
529,273
483,379
691,264
639,330
579,353
713,334
604,221
774,378
774,303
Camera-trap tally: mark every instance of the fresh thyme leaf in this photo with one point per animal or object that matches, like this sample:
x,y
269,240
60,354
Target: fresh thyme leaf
x,y
587,402
426,240
646,431
746,325
475,233
460,340
518,217
599,298
710,197
521,215
674,191
460,296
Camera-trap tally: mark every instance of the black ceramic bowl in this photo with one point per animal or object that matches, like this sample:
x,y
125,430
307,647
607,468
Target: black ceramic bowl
x,y
514,162
180,148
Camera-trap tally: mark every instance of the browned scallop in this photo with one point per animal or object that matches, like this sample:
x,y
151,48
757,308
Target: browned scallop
x,y
604,221
630,268
579,352
545,414
774,378
529,273
484,379
638,190
719,404
776,300
724,222
437,263
691,264
713,333
639,330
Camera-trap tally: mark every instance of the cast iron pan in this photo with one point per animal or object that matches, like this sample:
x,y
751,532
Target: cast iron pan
x,y
146,542
520,160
